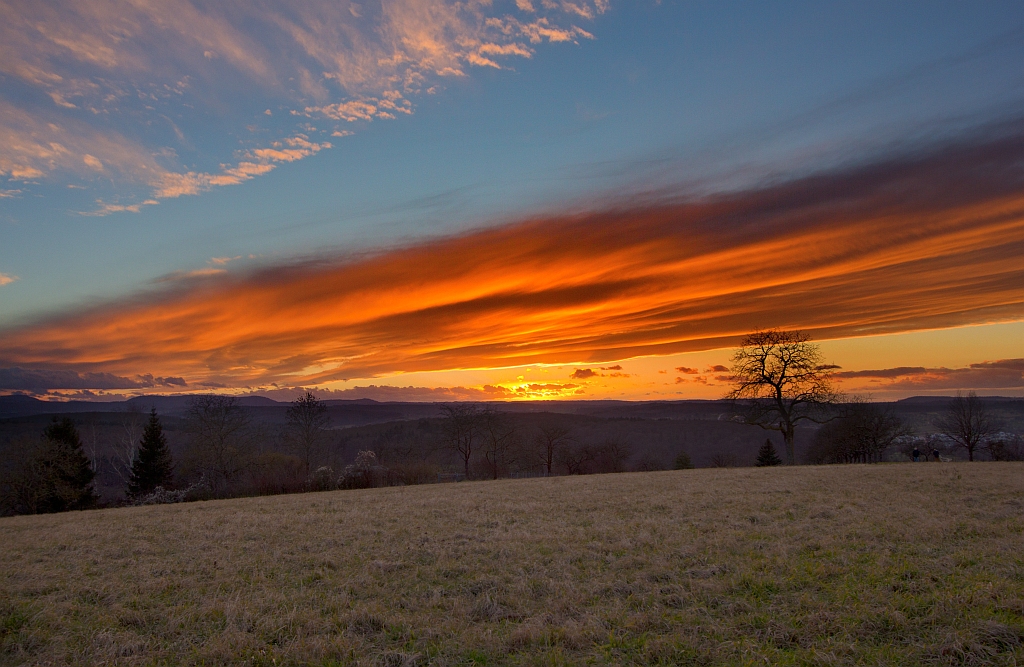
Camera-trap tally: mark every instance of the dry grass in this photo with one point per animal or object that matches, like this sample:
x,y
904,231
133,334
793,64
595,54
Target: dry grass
x,y
885,564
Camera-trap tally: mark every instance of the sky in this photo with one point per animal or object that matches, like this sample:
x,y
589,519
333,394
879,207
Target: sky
x,y
507,199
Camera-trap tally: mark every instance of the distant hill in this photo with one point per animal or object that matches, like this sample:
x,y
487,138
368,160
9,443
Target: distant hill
x,y
918,410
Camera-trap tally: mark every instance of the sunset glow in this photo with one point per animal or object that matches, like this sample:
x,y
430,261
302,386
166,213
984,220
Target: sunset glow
x,y
630,290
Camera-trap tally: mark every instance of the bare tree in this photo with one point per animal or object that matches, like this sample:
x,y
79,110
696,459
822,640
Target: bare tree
x,y
133,424
576,459
220,439
1006,447
781,379
551,439
612,455
860,435
461,431
967,422
308,424
500,441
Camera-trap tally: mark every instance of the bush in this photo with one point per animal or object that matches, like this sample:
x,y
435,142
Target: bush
x,y
160,496
364,473
322,479
1006,447
682,462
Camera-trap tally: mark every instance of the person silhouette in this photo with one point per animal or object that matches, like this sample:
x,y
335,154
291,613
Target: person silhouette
x,y
916,454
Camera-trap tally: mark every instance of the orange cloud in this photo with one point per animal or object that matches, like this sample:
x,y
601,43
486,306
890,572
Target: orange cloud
x,y
932,240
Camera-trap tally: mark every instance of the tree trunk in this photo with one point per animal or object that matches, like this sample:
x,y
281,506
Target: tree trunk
x,y
790,450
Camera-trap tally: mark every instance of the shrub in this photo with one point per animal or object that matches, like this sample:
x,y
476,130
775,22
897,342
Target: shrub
x,y
364,473
160,496
682,462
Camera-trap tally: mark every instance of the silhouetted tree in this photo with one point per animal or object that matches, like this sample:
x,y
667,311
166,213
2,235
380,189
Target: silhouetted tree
x,y
781,379
549,441
133,423
220,440
460,431
152,466
766,456
62,470
308,424
611,456
863,432
21,475
575,459
967,422
500,442
1006,447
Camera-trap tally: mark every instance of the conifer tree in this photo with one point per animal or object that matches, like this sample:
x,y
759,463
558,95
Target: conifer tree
x,y
66,474
766,456
152,465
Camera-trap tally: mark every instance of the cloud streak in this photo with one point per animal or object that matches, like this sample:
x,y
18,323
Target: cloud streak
x,y
926,239
41,381
1001,374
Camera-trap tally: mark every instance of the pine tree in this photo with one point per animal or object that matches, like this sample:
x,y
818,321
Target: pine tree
x,y
766,456
152,465
66,474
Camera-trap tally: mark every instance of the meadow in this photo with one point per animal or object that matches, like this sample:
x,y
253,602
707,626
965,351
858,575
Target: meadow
x,y
856,564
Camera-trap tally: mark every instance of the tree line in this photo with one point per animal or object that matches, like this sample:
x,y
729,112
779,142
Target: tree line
x,y
223,452
780,381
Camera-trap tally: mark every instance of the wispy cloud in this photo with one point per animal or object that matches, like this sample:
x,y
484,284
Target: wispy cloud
x,y
39,142
106,64
205,272
932,238
7,279
106,208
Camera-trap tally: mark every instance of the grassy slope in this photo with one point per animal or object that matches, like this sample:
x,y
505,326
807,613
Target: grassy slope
x,y
833,565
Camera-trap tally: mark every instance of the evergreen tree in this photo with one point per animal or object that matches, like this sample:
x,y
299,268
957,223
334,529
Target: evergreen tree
x,y
152,465
65,472
766,456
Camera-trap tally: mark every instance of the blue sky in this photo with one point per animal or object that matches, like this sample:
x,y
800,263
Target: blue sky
x,y
614,101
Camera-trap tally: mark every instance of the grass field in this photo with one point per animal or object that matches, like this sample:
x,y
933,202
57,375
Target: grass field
x,y
883,564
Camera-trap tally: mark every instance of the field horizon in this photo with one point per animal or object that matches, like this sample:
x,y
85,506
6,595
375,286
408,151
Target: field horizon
x,y
883,563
